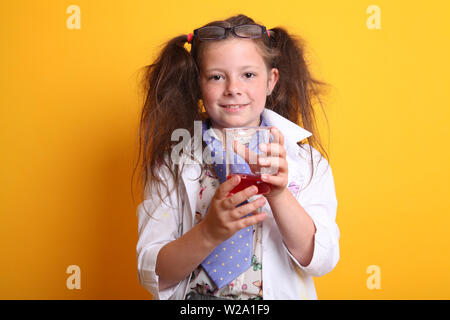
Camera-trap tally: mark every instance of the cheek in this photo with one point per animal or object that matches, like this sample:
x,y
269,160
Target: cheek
x,y
209,94
259,94
259,90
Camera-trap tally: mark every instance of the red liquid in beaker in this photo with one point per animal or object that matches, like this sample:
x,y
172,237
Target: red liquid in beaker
x,y
248,180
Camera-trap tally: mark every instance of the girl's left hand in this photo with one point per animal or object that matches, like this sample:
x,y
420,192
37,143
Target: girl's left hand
x,y
276,158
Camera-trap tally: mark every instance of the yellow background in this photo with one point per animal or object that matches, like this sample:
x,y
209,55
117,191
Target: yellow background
x,y
70,107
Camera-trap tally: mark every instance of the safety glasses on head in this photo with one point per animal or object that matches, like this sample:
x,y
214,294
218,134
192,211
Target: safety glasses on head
x,y
210,33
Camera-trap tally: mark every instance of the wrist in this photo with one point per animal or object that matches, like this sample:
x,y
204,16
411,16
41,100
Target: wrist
x,y
274,197
208,239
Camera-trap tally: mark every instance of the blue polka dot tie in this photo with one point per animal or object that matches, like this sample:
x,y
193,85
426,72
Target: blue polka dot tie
x,y
233,256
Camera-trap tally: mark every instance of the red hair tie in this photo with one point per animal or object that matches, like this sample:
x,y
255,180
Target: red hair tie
x,y
190,36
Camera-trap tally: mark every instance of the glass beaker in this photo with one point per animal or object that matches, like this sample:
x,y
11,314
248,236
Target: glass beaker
x,y
242,153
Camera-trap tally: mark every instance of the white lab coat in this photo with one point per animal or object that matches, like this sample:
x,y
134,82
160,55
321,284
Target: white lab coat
x,y
283,276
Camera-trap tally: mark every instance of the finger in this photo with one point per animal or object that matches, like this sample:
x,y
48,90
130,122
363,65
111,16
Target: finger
x,y
273,180
244,210
280,164
277,136
239,197
225,188
273,149
251,220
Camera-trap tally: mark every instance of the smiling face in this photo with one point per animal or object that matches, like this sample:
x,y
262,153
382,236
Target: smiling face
x,y
234,81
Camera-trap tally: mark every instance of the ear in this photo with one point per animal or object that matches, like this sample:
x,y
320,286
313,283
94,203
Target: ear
x,y
272,79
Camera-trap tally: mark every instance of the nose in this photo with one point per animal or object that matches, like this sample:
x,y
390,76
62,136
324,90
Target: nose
x,y
233,87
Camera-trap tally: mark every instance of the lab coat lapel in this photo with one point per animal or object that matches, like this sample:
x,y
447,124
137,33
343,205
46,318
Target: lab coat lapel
x,y
192,186
291,131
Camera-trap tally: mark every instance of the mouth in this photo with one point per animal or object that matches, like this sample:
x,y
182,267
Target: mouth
x,y
234,107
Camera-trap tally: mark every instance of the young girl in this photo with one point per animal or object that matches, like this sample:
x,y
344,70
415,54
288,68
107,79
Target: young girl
x,y
237,73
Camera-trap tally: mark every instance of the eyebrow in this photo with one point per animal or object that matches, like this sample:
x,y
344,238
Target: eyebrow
x,y
243,67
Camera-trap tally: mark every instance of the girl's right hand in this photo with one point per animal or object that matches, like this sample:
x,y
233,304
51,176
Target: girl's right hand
x,y
224,219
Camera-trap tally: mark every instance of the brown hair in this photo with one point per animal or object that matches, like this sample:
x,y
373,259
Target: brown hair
x,y
173,94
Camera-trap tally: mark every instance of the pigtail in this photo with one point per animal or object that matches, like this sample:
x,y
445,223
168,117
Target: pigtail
x,y
296,91
171,102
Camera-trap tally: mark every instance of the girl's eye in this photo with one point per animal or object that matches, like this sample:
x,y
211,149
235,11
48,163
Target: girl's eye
x,y
215,77
249,75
